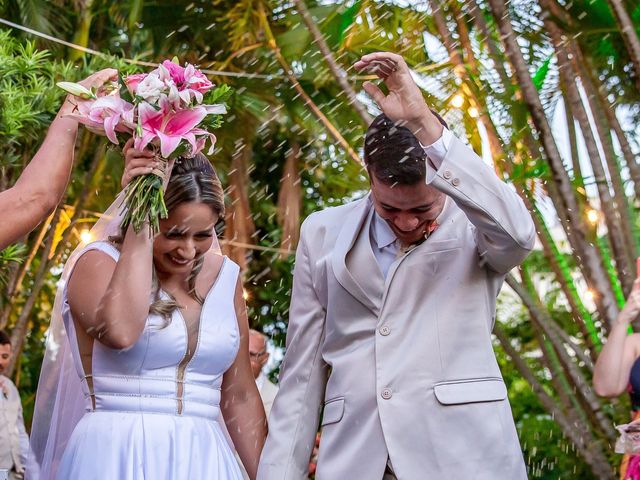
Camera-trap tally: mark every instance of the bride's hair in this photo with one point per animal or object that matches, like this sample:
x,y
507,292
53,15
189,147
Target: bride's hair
x,y
192,180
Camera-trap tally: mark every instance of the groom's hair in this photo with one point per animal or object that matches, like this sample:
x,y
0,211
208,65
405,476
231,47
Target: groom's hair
x,y
4,338
393,154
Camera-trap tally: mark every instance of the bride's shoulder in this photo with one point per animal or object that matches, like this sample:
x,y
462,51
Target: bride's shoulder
x,y
219,268
90,262
107,247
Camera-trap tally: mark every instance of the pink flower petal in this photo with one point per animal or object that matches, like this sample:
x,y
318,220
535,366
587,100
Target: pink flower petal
x,y
184,121
168,143
216,108
191,138
110,124
132,81
213,144
150,118
140,143
176,72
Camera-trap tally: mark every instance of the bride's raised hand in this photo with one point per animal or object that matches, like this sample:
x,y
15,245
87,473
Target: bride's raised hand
x,y
139,162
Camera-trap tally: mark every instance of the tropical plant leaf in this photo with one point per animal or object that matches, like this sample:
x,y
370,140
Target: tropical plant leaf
x,y
541,74
13,254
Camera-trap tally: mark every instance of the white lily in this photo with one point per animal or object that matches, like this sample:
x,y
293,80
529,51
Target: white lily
x,y
77,90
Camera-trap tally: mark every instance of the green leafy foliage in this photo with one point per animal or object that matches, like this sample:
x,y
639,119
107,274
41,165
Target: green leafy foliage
x,y
9,257
541,74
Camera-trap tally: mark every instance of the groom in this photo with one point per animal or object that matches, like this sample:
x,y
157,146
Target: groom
x,y
394,299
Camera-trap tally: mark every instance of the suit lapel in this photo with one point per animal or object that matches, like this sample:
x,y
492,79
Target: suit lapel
x,y
362,264
352,226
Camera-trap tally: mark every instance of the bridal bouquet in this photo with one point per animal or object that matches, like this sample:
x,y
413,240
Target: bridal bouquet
x,y
629,439
172,109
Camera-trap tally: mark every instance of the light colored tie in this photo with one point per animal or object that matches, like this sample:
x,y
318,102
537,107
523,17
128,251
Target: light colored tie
x,y
402,249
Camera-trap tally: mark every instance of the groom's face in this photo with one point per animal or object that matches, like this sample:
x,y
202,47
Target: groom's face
x,y
408,209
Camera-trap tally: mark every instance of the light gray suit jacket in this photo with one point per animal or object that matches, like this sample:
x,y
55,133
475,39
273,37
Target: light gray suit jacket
x,y
404,368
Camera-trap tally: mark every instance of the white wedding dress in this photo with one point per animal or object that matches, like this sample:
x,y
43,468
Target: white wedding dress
x,y
153,410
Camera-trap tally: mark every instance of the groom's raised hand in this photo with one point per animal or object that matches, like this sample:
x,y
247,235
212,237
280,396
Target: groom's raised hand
x,y
404,103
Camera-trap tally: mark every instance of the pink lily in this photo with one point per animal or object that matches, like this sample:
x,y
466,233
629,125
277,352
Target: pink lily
x,y
196,83
173,71
185,83
105,116
170,127
132,81
202,136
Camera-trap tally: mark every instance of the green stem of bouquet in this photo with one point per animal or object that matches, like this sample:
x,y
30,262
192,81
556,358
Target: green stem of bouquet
x,y
144,202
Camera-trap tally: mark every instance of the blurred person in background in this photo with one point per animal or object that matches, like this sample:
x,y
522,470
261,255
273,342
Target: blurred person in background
x,y
259,357
618,370
14,442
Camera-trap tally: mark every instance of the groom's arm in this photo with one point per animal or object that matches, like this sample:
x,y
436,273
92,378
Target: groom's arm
x,y
505,233
295,414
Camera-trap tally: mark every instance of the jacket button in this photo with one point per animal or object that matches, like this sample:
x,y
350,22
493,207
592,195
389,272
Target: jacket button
x,y
386,393
447,174
455,182
384,331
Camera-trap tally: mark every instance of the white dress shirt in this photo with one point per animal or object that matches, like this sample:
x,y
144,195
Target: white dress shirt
x,y
383,241
260,380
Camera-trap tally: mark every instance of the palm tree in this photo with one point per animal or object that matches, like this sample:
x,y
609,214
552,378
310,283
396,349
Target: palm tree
x,y
630,36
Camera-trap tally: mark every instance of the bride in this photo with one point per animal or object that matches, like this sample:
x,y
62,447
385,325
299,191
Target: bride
x,y
158,333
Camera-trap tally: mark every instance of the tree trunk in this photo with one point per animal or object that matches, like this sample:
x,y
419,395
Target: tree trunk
x,y
337,72
629,35
600,108
614,216
532,147
582,389
81,35
474,91
592,262
578,178
607,114
559,266
20,328
495,142
239,222
290,200
583,64
495,54
549,358
629,157
589,448
333,131
578,349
